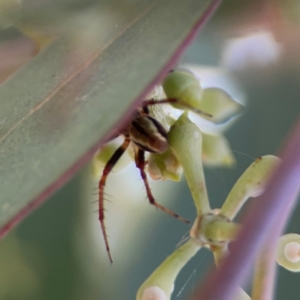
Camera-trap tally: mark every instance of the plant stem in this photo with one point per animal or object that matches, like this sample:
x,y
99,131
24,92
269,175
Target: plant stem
x,y
259,225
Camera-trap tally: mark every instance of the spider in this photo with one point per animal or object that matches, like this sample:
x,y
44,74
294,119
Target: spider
x,y
147,135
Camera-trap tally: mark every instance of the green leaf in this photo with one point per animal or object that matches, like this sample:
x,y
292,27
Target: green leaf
x,y
287,254
57,110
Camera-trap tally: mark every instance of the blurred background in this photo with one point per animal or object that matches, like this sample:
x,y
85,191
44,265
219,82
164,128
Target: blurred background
x,y
251,49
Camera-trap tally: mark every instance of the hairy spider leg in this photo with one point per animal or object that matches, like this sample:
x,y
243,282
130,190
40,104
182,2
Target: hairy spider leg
x,y
146,103
107,169
140,164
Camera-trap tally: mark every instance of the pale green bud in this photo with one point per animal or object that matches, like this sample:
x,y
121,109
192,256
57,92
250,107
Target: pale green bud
x,y
164,166
216,151
183,86
219,104
105,153
288,252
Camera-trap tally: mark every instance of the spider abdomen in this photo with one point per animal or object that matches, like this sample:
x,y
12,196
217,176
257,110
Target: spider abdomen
x,y
148,134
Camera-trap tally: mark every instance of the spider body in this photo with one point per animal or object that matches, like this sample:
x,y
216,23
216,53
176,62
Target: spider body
x,y
148,134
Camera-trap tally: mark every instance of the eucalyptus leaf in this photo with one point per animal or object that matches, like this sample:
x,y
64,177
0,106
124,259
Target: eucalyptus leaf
x,y
57,110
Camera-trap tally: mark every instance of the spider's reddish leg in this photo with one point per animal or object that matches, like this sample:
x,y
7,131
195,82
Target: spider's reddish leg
x,y
140,163
107,169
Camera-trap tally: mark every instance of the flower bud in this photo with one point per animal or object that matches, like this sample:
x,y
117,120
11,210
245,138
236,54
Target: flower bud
x,y
288,252
164,166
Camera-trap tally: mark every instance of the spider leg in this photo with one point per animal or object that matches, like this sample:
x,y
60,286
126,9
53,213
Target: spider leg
x,y
146,103
107,169
140,163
